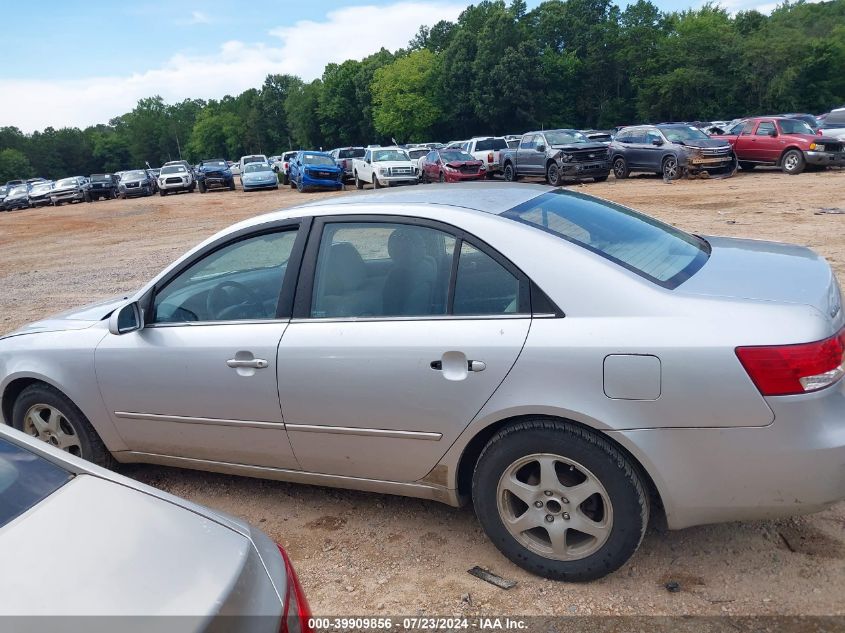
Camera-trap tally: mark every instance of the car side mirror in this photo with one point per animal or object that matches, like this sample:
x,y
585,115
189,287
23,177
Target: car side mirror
x,y
540,148
127,318
657,142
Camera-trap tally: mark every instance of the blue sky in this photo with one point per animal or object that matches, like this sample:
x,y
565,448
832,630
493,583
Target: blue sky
x,y
82,62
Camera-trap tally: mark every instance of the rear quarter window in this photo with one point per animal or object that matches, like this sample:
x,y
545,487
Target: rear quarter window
x,y
654,250
26,479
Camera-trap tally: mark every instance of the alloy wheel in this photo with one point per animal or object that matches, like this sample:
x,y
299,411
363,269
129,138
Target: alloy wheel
x,y
554,507
670,168
50,425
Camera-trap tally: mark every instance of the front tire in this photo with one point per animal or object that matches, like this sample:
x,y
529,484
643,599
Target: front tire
x,y
553,176
559,501
47,414
376,183
620,168
793,162
670,169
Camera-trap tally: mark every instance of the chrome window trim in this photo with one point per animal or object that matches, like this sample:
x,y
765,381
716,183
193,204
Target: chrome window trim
x,y
348,430
207,323
155,417
433,317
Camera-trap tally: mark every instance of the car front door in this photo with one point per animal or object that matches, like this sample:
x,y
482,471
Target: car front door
x,y
198,381
766,147
526,153
652,150
400,335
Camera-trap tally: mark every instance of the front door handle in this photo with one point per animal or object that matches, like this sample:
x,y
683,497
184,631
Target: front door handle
x,y
253,363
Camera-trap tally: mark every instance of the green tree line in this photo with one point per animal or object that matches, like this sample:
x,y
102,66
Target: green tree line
x,y
498,69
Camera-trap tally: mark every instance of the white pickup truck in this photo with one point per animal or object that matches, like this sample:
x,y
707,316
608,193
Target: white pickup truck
x,y
487,149
383,167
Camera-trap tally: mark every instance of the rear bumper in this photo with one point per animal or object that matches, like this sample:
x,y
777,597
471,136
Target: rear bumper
x,y
796,465
835,159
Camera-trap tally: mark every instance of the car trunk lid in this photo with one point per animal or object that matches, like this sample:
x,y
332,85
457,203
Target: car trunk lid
x,y
767,271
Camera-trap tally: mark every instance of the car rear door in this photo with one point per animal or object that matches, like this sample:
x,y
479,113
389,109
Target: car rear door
x,y
198,381
403,328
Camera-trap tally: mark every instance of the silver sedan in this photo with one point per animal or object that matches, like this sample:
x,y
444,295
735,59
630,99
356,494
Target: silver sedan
x,y
78,540
568,365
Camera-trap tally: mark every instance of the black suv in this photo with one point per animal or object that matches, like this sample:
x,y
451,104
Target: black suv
x,y
101,186
214,173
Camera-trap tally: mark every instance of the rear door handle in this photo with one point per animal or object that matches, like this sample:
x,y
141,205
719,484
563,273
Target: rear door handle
x,y
472,365
253,363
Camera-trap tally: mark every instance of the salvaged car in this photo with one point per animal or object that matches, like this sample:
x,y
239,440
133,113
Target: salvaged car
x,y
258,175
137,182
39,194
126,535
786,143
344,156
451,165
69,190
417,345
384,167
315,170
101,186
671,150
175,178
16,198
487,149
214,173
557,155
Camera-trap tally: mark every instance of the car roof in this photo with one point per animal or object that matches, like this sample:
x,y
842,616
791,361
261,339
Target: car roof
x,y
488,197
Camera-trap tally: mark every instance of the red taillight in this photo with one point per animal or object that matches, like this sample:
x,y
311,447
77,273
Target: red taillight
x,y
781,370
490,157
297,613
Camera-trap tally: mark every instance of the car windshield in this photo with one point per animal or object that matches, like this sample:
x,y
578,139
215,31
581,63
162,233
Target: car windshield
x,y
134,175
490,144
681,134
215,163
648,247
256,167
389,154
565,137
25,480
794,126
317,159
67,182
809,119
40,188
174,169
17,190
355,152
99,177
453,154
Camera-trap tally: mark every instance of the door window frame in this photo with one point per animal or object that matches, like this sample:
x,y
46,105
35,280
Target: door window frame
x,y
284,306
529,293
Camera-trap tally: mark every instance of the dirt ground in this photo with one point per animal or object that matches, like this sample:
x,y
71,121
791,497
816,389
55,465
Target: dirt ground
x,y
360,553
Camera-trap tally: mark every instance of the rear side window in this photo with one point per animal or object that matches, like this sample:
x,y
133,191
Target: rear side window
x,y
25,480
656,251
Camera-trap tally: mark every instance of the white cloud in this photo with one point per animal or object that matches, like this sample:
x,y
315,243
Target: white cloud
x,y
302,49
198,17
735,6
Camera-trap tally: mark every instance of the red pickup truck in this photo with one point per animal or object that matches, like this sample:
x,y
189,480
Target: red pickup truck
x,y
788,143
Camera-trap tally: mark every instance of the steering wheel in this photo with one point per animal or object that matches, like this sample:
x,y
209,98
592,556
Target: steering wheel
x,y
233,300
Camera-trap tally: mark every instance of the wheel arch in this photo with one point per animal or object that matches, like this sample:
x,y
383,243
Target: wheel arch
x,y
472,451
787,149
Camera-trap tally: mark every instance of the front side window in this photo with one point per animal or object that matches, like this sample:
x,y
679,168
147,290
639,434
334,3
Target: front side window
x,y
241,281
648,247
528,142
25,480
652,136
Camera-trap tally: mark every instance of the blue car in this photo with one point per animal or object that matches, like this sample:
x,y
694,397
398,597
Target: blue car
x,y
315,170
259,176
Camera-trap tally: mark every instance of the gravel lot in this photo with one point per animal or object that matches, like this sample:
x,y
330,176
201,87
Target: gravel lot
x,y
361,553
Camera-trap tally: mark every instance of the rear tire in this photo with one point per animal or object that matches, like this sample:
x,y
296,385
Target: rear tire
x,y
793,162
162,192
46,413
509,173
539,478
376,183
